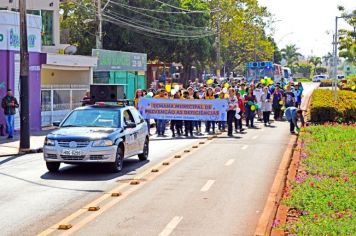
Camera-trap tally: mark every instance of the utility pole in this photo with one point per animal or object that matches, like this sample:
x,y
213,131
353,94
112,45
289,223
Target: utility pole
x,y
24,85
335,59
218,51
336,41
99,22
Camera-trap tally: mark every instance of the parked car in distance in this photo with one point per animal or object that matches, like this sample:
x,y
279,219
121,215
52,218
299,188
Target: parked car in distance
x,y
340,77
318,78
102,134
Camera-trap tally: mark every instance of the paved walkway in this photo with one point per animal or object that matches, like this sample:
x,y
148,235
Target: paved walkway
x,y
10,147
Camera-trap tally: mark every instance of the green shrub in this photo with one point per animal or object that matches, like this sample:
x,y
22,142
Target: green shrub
x,y
323,108
349,83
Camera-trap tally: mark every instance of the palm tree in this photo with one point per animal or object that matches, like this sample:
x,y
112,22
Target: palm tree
x,y
290,54
327,58
315,61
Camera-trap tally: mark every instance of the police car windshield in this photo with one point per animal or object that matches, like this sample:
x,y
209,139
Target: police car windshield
x,y
93,118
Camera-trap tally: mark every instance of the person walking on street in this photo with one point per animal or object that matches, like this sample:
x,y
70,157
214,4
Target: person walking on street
x,y
276,103
293,114
289,97
9,104
161,124
266,106
240,109
231,111
210,124
250,99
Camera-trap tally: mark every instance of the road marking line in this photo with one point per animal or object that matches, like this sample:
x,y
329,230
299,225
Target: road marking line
x,y
171,226
207,186
229,162
244,147
255,137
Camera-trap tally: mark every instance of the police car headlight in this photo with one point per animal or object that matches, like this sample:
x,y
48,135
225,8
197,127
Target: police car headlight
x,y
49,142
102,143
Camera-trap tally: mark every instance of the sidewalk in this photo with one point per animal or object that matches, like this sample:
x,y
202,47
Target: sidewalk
x,y
10,147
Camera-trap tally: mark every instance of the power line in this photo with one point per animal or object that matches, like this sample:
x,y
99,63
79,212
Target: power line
x,y
183,11
152,17
153,30
148,24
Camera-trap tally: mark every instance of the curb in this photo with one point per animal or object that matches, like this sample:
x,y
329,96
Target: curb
x,y
264,224
23,152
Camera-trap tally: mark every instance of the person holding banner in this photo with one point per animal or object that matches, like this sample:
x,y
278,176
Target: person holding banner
x,y
210,124
161,124
176,125
197,124
250,100
188,124
231,111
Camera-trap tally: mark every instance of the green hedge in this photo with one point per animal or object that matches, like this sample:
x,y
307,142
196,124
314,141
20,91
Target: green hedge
x,y
323,108
326,83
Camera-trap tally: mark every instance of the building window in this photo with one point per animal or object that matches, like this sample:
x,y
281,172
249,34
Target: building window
x,y
47,28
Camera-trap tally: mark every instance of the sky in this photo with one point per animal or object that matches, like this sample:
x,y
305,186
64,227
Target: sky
x,y
306,23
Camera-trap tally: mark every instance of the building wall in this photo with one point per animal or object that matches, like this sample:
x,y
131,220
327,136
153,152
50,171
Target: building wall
x,y
65,77
7,80
52,5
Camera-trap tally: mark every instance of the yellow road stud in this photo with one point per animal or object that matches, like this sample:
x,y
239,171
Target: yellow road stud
x,y
64,227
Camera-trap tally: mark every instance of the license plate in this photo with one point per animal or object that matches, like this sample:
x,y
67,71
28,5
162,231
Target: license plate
x,y
71,152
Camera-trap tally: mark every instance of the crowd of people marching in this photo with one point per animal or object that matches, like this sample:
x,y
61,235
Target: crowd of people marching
x,y
246,101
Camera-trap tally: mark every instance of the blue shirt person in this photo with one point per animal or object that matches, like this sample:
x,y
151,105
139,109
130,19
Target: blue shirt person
x,y
293,114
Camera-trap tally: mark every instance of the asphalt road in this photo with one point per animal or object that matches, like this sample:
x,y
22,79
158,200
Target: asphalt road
x,y
220,189
32,199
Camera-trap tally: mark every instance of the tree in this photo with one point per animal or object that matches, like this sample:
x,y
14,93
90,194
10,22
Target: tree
x,y
242,32
78,21
347,38
304,69
290,54
327,58
315,61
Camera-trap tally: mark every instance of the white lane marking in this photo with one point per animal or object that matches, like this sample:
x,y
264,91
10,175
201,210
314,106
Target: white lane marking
x,y
244,147
207,186
229,162
171,226
255,137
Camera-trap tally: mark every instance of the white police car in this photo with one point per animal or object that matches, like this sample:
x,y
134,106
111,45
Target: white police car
x,y
105,134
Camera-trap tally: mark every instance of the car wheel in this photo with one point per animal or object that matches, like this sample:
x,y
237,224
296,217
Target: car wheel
x,y
53,166
119,161
144,155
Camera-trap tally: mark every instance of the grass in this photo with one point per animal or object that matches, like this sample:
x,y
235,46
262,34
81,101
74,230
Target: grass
x,y
324,191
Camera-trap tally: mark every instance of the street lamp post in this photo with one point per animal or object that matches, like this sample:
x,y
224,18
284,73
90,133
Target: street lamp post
x,y
335,51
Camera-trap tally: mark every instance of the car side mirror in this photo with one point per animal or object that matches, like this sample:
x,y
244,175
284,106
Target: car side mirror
x,y
56,123
130,126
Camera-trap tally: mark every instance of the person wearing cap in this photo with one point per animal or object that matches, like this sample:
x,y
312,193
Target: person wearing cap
x,y
9,104
294,114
